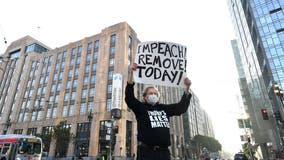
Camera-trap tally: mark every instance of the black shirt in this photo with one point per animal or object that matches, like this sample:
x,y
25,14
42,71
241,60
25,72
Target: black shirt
x,y
153,121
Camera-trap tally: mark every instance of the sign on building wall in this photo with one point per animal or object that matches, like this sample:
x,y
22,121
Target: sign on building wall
x,y
161,63
116,91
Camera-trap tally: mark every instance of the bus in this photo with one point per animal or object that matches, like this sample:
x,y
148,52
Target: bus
x,y
20,147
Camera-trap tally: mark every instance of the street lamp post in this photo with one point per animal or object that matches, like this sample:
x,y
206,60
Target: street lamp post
x,y
90,118
8,124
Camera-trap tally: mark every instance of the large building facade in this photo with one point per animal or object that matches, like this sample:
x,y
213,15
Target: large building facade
x,y
260,36
41,87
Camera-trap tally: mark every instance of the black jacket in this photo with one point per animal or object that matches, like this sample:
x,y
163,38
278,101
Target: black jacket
x,y
153,121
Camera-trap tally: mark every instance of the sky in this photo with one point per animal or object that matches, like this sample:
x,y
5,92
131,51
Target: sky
x,y
203,26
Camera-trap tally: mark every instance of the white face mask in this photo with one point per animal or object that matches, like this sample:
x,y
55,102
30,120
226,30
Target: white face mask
x,y
152,99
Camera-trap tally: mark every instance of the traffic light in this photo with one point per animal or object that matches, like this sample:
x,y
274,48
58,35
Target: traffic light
x,y
248,138
113,141
264,114
115,129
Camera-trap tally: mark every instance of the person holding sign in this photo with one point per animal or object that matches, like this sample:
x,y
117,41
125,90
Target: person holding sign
x,y
153,119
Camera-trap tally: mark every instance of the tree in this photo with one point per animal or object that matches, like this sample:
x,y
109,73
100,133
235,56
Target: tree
x,y
209,143
46,139
62,136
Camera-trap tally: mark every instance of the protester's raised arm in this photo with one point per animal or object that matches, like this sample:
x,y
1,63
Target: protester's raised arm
x,y
182,106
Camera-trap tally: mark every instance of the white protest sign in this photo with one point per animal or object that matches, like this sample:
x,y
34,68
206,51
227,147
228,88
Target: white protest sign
x,y
161,63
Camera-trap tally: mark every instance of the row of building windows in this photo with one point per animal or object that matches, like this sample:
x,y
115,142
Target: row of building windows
x,y
60,64
110,71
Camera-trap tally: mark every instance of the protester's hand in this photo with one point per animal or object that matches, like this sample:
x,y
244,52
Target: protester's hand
x,y
133,67
187,83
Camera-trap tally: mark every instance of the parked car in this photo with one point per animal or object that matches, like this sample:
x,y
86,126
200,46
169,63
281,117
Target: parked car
x,y
44,156
240,156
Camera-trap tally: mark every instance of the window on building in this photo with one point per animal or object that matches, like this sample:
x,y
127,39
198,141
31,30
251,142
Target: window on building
x,y
55,77
46,79
104,135
20,118
112,50
111,62
82,108
70,73
109,88
44,90
39,115
64,111
31,131
71,110
35,48
60,75
39,91
113,38
90,106
62,65
94,66
48,69
72,61
54,112
45,60
84,93
75,83
78,60
91,92
33,116
73,97
110,75
30,48
93,79
56,98
48,113
51,99
50,59
57,66
28,104
88,57
68,85
108,106
87,69
31,93
96,54
15,54
86,80
18,131
52,88
58,87
73,53
64,54
77,71
82,136
42,101
97,43
80,49
41,80
67,96
90,46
